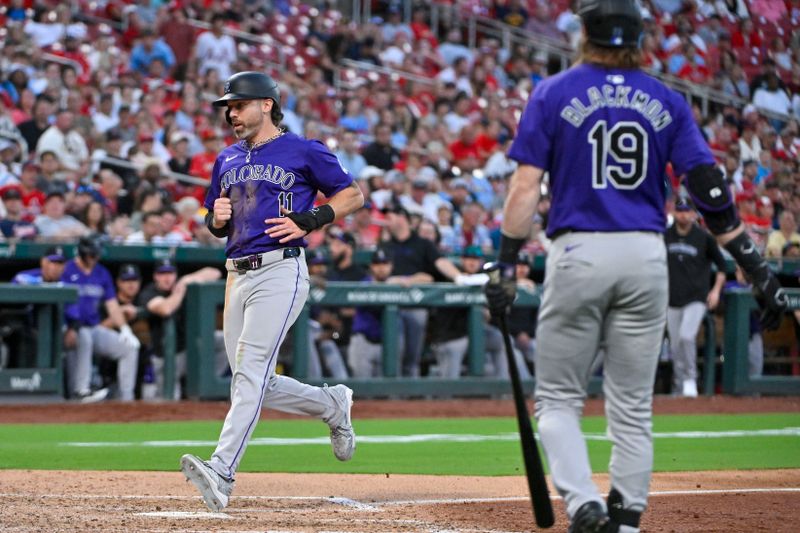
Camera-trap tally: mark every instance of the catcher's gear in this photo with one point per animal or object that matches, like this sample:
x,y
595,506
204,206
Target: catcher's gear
x,y
313,218
501,290
713,198
767,290
611,23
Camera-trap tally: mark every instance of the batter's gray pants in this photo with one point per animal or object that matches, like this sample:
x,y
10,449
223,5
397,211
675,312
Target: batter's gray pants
x,y
260,307
601,290
104,342
683,323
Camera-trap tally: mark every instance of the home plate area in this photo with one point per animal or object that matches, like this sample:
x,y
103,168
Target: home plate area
x,y
35,501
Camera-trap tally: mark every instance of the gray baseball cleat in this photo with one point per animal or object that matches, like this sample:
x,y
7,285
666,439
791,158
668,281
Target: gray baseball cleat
x,y
589,518
343,438
215,489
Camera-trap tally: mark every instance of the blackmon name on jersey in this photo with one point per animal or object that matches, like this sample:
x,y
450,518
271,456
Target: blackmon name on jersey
x,y
617,97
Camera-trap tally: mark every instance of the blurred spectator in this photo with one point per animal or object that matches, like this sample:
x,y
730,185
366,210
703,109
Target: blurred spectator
x,y
94,217
785,234
749,143
203,163
150,48
66,143
33,128
394,24
774,99
349,157
86,336
364,227
51,267
768,70
365,351
14,224
104,117
453,48
772,10
9,168
183,231
471,231
380,153
511,12
54,223
179,149
215,50
542,23
179,35
421,200
150,232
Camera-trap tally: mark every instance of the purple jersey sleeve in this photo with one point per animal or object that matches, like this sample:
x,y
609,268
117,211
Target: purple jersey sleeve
x,y
214,189
689,149
325,172
532,144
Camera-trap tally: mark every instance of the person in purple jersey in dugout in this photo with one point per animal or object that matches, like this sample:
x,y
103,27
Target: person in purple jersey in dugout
x,y
605,131
86,336
261,198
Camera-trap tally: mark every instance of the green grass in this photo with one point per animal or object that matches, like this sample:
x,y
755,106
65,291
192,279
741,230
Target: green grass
x,y
40,446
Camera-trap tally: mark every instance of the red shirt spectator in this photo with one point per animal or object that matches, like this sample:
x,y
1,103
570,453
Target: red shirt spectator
x,y
203,163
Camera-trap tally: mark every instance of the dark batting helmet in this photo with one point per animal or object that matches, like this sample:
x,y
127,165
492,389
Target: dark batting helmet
x,y
611,23
249,85
89,246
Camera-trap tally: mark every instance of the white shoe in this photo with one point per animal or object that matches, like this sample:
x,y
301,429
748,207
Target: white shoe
x,y
215,489
92,396
343,438
690,388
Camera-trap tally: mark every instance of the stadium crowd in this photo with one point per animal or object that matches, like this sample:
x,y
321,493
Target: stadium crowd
x,y
106,125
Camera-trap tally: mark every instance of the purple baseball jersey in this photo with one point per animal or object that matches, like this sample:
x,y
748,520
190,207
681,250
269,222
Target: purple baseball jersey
x,y
94,289
605,137
288,172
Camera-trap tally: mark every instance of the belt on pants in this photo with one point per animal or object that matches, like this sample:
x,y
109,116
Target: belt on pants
x,y
256,261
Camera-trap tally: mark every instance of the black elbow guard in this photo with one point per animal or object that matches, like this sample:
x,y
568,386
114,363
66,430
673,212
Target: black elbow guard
x,y
713,198
219,233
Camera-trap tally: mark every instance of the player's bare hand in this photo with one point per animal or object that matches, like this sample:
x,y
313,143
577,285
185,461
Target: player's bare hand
x,y
284,228
70,339
223,210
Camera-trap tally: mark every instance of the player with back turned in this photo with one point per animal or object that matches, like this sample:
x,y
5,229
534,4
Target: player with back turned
x,y
605,131
261,198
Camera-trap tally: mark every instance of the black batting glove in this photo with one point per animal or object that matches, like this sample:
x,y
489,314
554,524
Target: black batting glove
x,y
501,290
313,218
767,289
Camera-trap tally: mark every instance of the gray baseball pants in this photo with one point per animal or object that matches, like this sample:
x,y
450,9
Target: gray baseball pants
x,y
365,357
260,307
104,342
683,323
601,291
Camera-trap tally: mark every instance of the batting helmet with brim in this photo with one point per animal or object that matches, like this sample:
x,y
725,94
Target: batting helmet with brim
x,y
611,23
89,246
249,85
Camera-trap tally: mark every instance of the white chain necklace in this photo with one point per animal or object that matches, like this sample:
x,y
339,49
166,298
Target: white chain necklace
x,y
250,147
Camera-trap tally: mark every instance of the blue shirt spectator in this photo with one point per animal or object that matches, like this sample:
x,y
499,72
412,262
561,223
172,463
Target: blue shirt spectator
x,y
148,50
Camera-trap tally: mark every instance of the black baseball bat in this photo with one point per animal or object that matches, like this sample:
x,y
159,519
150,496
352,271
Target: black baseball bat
x,y
537,484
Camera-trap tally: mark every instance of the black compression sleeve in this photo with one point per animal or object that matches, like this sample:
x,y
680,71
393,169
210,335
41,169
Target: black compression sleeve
x,y
220,233
509,249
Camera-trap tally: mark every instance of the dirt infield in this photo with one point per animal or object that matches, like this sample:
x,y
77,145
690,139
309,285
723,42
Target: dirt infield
x,y
35,501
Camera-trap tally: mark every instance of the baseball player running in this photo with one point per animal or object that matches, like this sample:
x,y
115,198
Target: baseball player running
x,y
605,130
261,198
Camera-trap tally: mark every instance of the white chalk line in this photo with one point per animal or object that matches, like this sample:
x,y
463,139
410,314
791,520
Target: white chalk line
x,y
429,437
376,505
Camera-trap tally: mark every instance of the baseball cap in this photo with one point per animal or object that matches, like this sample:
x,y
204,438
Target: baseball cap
x,y
472,251
145,137
129,272
316,257
459,183
682,204
396,208
745,196
5,144
380,256
53,194
113,135
207,135
12,193
165,265
55,254
346,237
523,259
